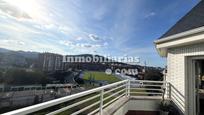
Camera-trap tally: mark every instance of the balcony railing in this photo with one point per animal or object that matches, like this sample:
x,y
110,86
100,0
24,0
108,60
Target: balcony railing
x,y
99,98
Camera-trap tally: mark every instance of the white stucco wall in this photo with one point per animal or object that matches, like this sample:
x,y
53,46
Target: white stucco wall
x,y
176,70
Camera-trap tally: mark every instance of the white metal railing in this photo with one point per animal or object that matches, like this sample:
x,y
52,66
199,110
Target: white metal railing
x,y
176,97
101,97
146,88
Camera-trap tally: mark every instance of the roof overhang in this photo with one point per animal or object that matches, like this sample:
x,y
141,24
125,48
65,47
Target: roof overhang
x,y
185,38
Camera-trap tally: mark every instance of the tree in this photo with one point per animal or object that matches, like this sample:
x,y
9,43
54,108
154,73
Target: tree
x,y
1,77
23,77
36,99
60,76
154,75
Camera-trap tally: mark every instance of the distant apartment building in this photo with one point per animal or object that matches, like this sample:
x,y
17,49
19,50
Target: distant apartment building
x,y
50,62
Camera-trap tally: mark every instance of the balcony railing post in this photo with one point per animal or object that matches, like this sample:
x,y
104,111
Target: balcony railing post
x,y
128,88
126,91
101,102
169,91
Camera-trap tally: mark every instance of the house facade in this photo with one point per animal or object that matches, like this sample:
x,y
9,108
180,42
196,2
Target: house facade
x,y
183,46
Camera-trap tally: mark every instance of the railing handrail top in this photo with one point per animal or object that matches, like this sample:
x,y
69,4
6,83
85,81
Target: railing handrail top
x,y
150,81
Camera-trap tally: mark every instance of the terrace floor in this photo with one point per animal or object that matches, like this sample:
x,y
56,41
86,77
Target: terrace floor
x,y
139,105
142,113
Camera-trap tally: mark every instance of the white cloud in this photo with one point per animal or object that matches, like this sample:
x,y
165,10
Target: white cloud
x,y
87,45
150,14
8,42
21,43
79,38
94,37
50,26
82,45
17,44
13,11
65,29
66,43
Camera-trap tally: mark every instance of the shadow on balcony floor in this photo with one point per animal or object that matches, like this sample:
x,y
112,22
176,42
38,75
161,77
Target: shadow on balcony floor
x,y
142,113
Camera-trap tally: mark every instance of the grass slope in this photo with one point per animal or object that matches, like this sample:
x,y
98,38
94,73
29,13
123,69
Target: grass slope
x,y
100,76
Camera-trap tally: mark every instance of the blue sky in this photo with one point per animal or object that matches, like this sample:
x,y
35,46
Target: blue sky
x,y
105,27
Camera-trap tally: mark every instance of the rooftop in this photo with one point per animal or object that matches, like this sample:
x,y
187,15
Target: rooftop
x,y
192,20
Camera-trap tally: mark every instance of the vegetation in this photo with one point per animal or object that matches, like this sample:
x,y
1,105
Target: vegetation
x,y
1,77
23,77
93,75
165,106
154,75
60,76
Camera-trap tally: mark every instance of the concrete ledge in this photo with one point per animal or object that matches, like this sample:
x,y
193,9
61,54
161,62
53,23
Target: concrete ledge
x,y
143,104
115,106
145,98
136,103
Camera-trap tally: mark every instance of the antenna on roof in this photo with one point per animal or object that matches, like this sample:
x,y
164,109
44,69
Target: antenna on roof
x,y
144,66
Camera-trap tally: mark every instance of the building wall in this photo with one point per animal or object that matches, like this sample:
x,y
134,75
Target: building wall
x,y
50,62
176,69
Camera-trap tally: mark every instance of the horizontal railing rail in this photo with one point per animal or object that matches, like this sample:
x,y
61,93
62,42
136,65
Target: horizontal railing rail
x,y
95,100
147,88
176,97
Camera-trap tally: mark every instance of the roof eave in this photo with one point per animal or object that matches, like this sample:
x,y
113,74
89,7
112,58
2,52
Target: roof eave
x,y
162,51
179,35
